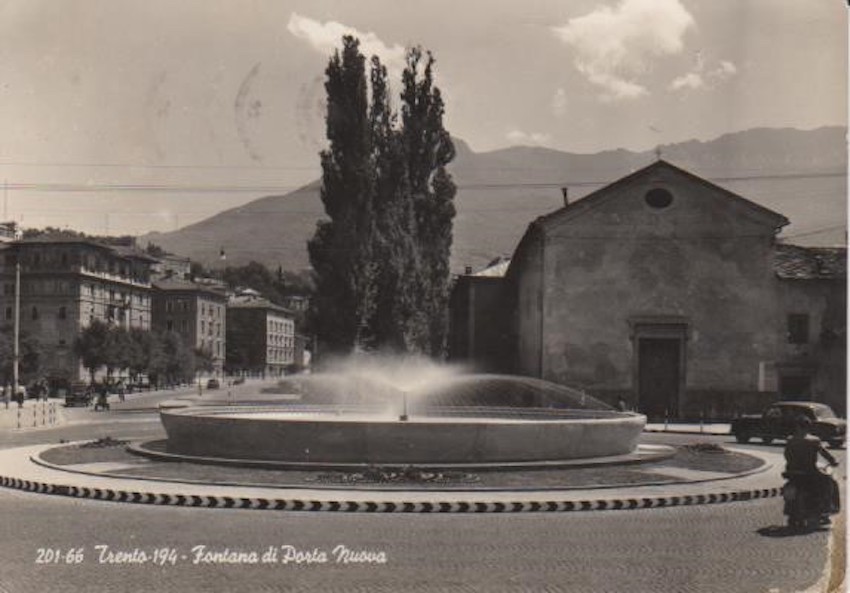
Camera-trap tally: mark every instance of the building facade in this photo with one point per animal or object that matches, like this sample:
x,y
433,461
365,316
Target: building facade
x,y
260,337
197,313
65,284
670,292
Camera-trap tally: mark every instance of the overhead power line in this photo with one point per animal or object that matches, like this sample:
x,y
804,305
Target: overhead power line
x,y
209,189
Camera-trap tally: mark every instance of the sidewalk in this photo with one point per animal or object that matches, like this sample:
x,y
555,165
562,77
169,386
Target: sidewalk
x,y
719,428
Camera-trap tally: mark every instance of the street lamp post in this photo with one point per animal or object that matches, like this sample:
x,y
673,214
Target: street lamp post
x,y
17,327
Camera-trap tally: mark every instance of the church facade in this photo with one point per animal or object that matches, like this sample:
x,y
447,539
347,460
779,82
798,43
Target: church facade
x,y
669,292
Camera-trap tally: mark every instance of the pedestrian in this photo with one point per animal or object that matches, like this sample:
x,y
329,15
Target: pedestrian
x,y
621,404
7,394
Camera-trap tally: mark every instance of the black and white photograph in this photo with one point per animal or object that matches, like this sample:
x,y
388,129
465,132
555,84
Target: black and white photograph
x,y
452,296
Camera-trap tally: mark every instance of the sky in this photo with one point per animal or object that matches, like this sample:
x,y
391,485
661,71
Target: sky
x,y
126,116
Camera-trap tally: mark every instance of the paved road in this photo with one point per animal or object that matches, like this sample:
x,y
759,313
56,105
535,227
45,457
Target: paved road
x,y
694,549
731,547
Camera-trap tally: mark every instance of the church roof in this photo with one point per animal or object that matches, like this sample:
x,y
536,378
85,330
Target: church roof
x,y
794,262
591,200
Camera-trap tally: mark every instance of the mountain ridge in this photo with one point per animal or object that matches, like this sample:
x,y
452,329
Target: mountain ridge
x,y
501,191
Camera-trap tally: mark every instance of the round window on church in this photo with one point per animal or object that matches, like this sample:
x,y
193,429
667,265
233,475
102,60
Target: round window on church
x,y
658,197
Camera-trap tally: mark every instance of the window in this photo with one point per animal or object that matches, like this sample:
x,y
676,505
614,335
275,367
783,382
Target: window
x,y
34,313
63,313
8,312
798,328
658,198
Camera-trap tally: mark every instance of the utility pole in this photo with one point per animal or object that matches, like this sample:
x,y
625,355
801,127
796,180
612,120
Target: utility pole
x,y
17,331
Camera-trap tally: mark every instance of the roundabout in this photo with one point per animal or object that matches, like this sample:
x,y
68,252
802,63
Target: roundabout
x,y
472,443
127,478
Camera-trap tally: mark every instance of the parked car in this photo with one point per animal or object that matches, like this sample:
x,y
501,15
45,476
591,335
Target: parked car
x,y
778,421
213,384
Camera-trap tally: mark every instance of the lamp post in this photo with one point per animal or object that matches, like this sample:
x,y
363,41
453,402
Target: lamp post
x,y
17,326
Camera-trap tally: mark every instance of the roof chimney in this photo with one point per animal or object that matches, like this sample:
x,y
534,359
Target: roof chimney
x,y
467,270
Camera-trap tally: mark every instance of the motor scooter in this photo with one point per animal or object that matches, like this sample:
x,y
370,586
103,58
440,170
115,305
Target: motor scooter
x,y
810,499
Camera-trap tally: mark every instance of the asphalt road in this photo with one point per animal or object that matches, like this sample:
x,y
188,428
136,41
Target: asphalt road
x,y
59,544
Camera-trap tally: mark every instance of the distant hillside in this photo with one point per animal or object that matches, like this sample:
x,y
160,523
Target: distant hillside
x,y
801,174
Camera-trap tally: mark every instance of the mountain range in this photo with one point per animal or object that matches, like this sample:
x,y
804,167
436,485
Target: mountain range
x,y
799,173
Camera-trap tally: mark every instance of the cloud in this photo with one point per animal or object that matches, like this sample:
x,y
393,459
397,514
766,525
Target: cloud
x,y
326,37
614,46
559,103
700,78
528,139
691,80
724,70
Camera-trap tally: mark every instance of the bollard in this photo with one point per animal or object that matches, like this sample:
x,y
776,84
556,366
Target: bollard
x,y
19,417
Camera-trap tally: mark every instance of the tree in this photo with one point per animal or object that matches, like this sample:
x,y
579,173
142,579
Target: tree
x,y
139,352
171,360
341,250
429,149
30,354
398,324
90,346
381,262
116,350
202,360
257,276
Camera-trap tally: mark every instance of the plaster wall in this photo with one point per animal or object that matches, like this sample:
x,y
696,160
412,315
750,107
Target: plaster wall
x,y
528,288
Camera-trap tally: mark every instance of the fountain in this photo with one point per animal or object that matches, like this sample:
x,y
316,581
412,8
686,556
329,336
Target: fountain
x,y
445,419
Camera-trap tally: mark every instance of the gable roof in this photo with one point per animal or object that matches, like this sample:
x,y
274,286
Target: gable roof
x,y
602,194
591,200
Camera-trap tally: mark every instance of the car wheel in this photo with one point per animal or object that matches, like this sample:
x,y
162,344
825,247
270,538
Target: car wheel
x,y
742,437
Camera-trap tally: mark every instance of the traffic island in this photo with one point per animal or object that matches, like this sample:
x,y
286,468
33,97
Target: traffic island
x,y
105,471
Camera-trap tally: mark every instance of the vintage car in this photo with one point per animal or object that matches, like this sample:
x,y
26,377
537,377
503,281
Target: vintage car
x,y
77,394
778,420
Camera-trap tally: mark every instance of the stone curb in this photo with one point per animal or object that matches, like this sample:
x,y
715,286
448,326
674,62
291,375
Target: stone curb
x,y
227,502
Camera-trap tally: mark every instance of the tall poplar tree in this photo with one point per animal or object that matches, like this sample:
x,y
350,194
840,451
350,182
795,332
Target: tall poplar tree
x,y
399,325
429,149
381,261
341,251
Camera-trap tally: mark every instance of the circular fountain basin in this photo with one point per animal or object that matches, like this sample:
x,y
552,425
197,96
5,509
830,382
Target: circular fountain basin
x,y
339,434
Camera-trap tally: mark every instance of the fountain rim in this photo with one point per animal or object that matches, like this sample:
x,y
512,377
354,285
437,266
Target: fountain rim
x,y
353,413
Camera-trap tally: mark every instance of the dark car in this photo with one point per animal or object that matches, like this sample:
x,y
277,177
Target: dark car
x,y
213,384
778,421
77,394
